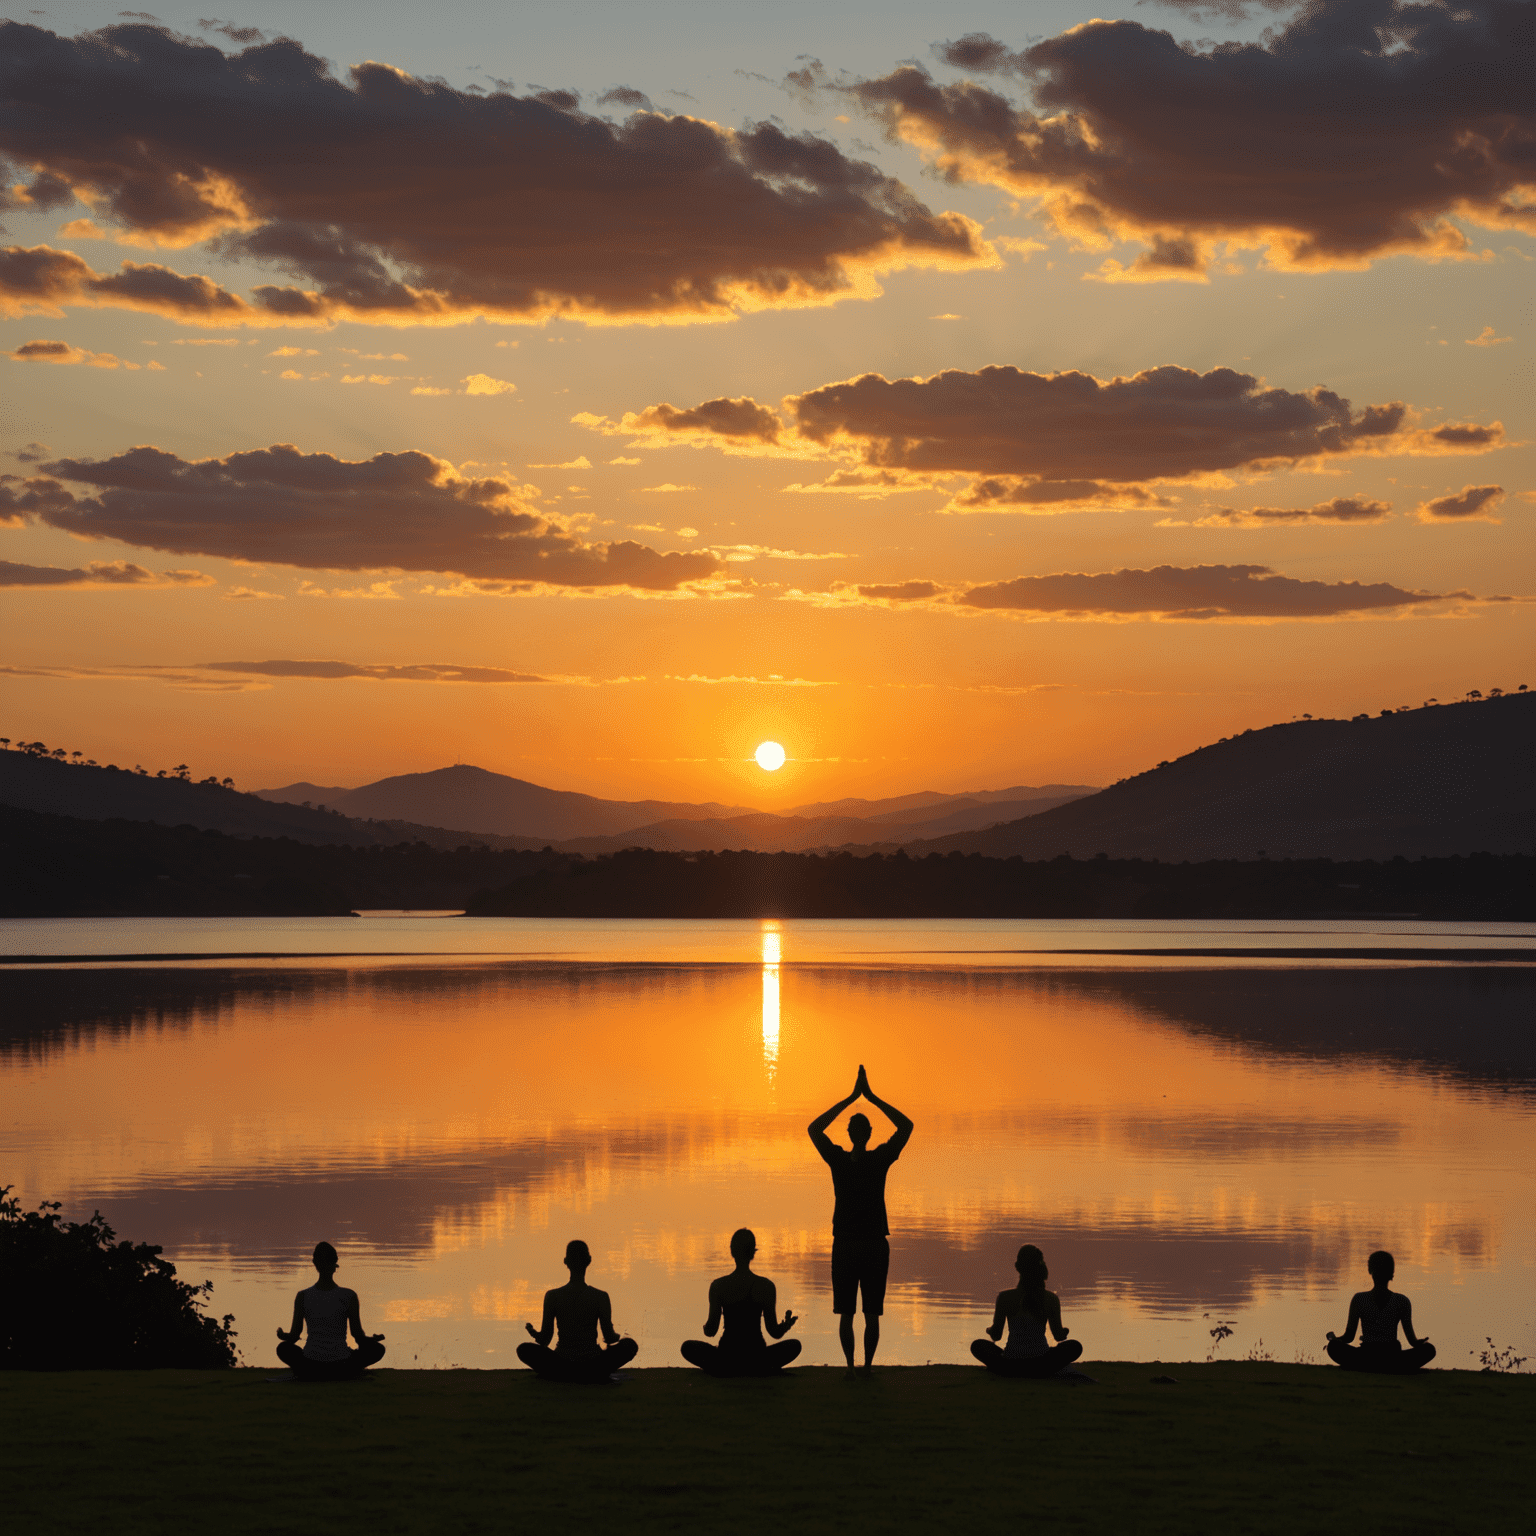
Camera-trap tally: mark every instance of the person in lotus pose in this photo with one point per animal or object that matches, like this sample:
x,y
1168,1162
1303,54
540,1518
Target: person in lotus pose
x,y
1027,1309
861,1248
327,1310
748,1303
1377,1313
579,1311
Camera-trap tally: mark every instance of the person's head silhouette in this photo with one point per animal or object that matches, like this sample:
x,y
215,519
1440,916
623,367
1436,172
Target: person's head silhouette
x,y
743,1245
1381,1267
859,1130
578,1257
324,1259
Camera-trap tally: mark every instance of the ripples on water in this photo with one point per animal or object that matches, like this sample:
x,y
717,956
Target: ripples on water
x,y
1180,1141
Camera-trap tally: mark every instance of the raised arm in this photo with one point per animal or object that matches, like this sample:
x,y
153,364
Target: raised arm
x,y
355,1322
605,1319
903,1125
546,1329
817,1129
1354,1319
1053,1314
999,1317
296,1327
712,1327
771,1322
1406,1319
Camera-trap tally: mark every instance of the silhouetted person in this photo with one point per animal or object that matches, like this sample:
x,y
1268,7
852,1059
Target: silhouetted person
x,y
327,1310
1377,1313
861,1249
579,1311
748,1303
1027,1309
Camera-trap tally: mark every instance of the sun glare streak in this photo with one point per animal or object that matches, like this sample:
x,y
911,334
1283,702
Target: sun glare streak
x,y
772,950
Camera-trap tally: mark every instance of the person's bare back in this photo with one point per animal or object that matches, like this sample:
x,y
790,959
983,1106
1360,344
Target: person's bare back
x,y
579,1310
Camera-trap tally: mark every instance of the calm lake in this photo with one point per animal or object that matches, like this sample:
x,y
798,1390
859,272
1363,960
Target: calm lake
x,y
1190,1140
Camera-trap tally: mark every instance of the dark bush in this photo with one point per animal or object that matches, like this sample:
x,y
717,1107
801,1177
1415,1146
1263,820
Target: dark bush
x,y
71,1298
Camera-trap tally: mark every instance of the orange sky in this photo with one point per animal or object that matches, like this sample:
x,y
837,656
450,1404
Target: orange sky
x,y
594,336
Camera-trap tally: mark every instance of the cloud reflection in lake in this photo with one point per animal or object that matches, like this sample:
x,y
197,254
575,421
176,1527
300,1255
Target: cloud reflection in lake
x,y
1177,1141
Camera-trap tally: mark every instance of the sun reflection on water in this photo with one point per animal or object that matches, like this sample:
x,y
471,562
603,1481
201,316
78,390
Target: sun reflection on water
x,y
772,953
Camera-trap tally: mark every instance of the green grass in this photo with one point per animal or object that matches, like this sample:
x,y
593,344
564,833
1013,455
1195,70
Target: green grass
x,y
1232,1447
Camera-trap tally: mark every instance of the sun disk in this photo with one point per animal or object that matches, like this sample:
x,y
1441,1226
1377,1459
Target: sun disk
x,y
770,755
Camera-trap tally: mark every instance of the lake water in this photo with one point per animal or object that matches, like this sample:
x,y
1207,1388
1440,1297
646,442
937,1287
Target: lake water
x,y
1191,1140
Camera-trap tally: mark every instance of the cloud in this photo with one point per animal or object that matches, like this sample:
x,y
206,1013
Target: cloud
x,y
421,672
1487,337
392,199
898,592
1353,132
1197,592
581,461
1034,442
868,485
40,280
666,489
484,384
1472,503
62,352
743,422
294,352
99,573
402,511
251,595
1336,510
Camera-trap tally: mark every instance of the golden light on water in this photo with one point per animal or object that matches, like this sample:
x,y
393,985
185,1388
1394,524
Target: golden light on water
x,y
772,951
770,756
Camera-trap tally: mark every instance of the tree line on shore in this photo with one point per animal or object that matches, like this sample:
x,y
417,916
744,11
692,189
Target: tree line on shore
x,y
61,866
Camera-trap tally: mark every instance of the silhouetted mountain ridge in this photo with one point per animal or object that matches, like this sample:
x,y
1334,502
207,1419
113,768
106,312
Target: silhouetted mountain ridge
x,y
1431,782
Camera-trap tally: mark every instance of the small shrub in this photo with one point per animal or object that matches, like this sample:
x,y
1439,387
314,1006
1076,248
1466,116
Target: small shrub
x,y
1219,1335
1259,1352
1305,1356
72,1298
1492,1358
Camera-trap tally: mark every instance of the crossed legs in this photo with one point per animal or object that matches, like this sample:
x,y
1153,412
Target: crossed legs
x,y
356,1362
589,1368
1055,1359
1380,1359
768,1361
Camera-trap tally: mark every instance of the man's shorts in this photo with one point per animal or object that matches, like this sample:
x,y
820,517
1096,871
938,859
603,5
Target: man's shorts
x,y
860,1264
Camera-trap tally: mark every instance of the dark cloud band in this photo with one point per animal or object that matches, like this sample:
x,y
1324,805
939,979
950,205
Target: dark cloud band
x,y
1360,129
396,199
396,511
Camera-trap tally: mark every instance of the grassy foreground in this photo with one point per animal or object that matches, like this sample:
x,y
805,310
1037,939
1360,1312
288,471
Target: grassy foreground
x,y
1232,1447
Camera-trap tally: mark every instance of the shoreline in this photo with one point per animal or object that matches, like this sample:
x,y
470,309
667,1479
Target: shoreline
x,y
1234,1445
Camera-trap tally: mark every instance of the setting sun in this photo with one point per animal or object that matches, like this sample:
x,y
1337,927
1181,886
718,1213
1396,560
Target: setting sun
x,y
770,755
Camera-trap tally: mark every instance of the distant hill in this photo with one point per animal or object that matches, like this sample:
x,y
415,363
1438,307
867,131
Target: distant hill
x,y
1431,782
480,801
765,833
927,803
99,794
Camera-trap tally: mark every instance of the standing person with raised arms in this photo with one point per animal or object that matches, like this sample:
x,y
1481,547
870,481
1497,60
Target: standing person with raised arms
x,y
861,1248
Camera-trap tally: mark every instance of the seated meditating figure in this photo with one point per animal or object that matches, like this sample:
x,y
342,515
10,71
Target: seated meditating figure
x,y
748,1303
1377,1313
1027,1309
579,1311
327,1310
